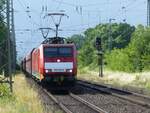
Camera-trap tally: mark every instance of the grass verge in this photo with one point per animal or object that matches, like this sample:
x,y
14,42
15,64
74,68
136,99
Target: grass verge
x,y
134,81
24,99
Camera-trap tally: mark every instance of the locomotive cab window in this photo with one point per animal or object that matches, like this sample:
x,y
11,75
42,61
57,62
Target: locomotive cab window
x,y
65,51
58,52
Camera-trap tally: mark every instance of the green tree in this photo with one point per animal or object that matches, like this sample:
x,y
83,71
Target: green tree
x,y
121,34
86,55
139,48
136,56
78,40
119,60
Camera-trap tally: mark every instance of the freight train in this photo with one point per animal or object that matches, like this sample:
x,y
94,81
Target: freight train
x,y
54,61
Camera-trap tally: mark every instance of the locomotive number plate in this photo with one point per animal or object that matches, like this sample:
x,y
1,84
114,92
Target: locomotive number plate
x,y
58,70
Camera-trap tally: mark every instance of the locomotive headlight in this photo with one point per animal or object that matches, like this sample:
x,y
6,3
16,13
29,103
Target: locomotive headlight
x,y
69,70
46,70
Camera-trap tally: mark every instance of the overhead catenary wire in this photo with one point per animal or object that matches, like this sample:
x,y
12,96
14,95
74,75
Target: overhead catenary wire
x,y
27,11
83,11
74,4
59,4
127,8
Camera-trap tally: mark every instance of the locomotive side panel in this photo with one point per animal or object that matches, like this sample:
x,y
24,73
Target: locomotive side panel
x,y
41,62
35,63
75,61
23,65
28,64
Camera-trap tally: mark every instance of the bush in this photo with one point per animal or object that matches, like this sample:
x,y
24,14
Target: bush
x,y
119,60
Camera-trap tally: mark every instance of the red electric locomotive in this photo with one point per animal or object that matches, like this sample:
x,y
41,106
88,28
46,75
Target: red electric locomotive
x,y
52,62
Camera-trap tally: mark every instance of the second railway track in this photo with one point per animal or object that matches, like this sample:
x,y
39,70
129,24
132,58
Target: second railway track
x,y
130,96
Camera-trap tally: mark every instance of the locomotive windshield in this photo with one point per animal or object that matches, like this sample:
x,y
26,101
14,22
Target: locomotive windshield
x,y
58,52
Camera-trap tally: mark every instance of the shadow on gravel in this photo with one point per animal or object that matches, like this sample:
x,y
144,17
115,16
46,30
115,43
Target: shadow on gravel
x,y
78,90
64,90
59,92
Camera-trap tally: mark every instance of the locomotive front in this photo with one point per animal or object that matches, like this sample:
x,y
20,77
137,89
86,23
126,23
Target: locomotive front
x,y
60,63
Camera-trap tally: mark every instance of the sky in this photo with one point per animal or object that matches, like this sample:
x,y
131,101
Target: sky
x,y
83,14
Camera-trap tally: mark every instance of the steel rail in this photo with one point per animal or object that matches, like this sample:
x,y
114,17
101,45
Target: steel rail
x,y
92,106
109,90
79,99
117,89
136,94
66,110
132,100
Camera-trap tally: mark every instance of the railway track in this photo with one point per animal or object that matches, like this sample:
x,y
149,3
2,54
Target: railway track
x,y
92,98
76,105
126,95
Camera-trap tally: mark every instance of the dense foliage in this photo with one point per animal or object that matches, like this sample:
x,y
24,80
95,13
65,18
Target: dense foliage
x,y
78,40
136,56
130,47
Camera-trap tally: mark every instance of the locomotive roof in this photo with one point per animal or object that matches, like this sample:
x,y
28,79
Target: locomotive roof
x,y
56,45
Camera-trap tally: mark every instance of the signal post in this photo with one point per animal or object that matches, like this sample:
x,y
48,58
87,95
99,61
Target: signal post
x,y
98,44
